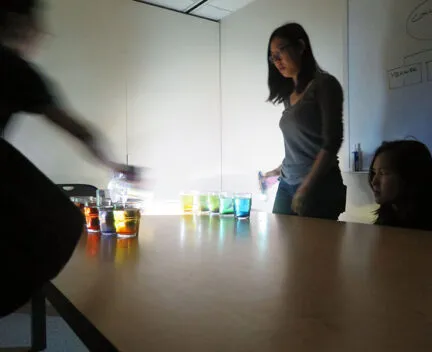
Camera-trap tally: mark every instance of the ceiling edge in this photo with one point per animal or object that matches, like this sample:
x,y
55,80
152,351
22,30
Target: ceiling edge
x,y
178,11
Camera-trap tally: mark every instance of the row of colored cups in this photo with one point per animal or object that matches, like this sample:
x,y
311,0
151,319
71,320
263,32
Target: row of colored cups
x,y
223,203
103,217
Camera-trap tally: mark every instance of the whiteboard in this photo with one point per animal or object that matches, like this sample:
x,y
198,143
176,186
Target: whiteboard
x,y
390,72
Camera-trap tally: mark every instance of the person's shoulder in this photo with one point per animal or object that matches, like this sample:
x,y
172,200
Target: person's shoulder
x,y
328,81
328,86
14,68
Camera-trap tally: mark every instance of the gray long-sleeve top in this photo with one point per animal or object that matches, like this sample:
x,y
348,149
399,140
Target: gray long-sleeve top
x,y
312,124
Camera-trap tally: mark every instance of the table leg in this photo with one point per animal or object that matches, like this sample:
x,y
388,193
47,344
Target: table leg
x,y
38,322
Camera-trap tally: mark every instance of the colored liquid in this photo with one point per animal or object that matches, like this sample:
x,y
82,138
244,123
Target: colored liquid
x,y
80,206
203,203
213,203
127,222
108,248
92,218
126,248
242,229
187,201
106,220
92,245
226,206
242,207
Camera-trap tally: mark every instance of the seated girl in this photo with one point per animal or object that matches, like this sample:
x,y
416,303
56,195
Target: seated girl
x,y
401,179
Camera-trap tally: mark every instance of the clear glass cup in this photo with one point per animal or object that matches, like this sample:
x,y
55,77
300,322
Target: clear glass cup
x,y
226,204
106,220
188,201
79,202
103,198
91,214
213,202
127,220
203,203
242,205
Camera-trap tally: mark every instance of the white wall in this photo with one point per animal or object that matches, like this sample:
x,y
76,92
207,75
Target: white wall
x,y
147,78
174,99
251,139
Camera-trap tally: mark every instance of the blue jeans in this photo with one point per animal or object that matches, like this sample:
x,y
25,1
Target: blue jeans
x,y
326,200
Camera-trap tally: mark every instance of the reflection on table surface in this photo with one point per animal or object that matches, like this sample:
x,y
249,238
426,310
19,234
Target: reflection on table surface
x,y
111,248
271,283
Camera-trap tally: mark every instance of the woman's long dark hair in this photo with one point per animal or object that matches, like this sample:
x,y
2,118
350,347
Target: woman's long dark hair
x,y
279,86
412,162
19,7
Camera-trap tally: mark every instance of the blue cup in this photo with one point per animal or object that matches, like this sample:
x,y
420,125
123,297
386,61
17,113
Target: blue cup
x,y
242,205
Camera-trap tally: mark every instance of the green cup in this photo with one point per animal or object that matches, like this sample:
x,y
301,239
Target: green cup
x,y
226,204
213,202
203,203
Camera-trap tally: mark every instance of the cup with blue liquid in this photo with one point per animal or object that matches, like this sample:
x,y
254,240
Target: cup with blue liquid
x,y
242,205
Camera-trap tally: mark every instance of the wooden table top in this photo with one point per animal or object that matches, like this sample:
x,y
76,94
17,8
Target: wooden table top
x,y
274,283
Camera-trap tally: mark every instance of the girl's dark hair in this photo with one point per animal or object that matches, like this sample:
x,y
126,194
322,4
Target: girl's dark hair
x,y
412,162
20,7
23,7
279,86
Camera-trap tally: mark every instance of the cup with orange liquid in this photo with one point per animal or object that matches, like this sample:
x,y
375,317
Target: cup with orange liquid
x,y
127,219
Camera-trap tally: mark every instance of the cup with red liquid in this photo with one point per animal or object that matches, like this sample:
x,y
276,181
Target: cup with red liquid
x,y
91,214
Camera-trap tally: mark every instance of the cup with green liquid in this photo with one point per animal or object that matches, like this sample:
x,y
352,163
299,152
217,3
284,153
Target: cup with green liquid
x,y
213,202
226,204
203,206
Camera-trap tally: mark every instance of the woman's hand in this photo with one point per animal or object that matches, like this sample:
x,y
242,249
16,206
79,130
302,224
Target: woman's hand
x,y
299,200
273,173
268,179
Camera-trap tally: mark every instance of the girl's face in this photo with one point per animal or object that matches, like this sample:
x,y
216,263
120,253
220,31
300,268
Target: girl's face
x,y
386,183
281,58
24,33
32,36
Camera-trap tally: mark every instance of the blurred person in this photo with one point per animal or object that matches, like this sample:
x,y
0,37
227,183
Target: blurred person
x,y
40,226
23,87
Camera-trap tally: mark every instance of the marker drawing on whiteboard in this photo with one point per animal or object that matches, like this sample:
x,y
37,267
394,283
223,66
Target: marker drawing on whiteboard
x,y
429,70
424,51
419,21
419,27
404,76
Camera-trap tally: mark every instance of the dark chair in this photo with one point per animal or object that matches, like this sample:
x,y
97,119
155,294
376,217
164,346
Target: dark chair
x,y
38,306
78,190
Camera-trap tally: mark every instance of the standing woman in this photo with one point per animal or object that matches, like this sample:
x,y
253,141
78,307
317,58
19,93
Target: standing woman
x,y
310,179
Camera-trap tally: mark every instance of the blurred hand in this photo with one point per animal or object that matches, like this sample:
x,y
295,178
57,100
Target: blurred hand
x,y
271,173
132,173
298,202
271,177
